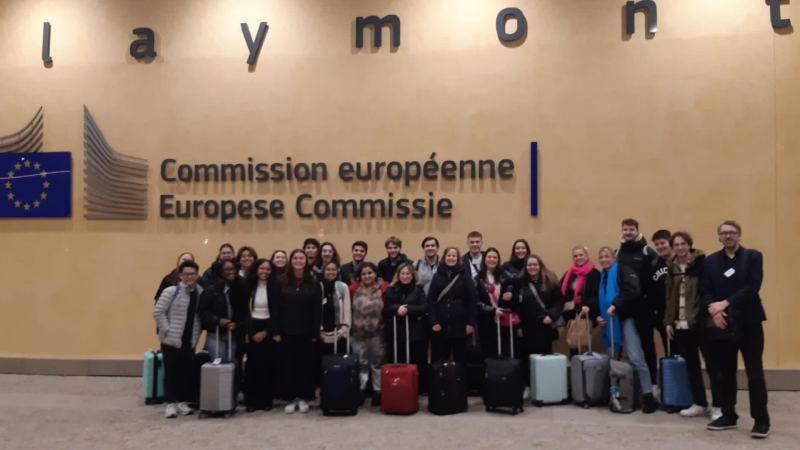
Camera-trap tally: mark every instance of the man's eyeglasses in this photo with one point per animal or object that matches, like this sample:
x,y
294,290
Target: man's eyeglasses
x,y
189,275
728,233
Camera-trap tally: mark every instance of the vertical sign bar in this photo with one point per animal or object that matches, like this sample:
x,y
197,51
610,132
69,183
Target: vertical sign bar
x,y
534,179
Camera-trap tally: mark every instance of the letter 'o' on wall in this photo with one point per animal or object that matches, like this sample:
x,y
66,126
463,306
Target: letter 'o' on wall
x,y
500,24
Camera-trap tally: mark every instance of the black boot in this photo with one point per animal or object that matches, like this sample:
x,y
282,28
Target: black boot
x,y
650,404
376,399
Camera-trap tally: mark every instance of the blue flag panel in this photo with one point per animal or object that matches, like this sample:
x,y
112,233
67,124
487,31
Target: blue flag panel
x,y
36,185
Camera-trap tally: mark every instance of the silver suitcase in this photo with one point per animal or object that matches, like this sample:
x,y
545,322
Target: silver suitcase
x,y
589,377
217,391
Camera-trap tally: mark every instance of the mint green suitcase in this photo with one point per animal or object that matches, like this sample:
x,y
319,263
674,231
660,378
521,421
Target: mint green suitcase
x,y
153,378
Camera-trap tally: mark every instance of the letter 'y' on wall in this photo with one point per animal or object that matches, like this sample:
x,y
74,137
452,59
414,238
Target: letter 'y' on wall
x,y
254,46
652,15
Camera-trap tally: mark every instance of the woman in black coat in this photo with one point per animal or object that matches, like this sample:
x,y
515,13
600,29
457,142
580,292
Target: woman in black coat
x,y
452,310
519,254
223,307
407,301
490,309
262,372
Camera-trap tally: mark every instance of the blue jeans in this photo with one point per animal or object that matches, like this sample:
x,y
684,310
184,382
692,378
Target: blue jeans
x,y
211,347
633,345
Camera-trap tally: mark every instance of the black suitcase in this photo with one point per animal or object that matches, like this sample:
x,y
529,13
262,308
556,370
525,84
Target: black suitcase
x,y
340,390
503,384
448,389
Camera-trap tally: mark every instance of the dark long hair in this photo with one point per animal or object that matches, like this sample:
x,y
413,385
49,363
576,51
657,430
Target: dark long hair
x,y
291,279
251,279
497,270
547,277
217,274
335,258
278,270
514,258
368,265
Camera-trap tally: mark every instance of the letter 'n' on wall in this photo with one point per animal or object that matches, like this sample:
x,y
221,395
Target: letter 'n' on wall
x,y
651,15
378,24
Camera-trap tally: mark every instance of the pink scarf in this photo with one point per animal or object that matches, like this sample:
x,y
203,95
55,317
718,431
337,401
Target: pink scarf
x,y
581,272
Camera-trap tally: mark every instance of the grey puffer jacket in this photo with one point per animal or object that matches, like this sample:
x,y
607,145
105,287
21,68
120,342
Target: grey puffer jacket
x,y
170,315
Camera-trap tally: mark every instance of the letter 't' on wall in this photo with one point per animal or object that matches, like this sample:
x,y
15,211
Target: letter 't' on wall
x,y
254,46
775,15
378,23
500,24
46,44
149,44
652,15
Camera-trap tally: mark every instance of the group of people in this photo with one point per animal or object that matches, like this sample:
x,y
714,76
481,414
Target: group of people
x,y
286,312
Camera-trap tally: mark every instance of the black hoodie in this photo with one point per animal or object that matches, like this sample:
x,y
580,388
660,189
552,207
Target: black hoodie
x,y
640,258
386,269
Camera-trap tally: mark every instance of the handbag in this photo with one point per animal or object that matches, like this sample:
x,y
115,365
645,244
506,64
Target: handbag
x,y
558,323
578,331
733,330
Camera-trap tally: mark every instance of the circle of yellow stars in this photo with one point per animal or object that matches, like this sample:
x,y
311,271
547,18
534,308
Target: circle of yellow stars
x,y
45,185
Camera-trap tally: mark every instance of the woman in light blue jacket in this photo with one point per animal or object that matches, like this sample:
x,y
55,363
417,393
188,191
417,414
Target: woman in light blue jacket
x,y
178,324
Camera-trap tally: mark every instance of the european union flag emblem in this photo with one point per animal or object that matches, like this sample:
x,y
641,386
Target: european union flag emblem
x,y
36,185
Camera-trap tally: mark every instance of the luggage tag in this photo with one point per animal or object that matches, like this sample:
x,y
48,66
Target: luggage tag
x,y
597,355
217,361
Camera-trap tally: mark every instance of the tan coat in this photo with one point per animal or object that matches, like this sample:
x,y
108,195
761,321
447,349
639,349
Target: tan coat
x,y
691,278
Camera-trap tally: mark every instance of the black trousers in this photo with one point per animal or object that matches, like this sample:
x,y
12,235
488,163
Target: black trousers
x,y
687,344
177,370
298,356
261,372
446,348
419,356
645,326
722,364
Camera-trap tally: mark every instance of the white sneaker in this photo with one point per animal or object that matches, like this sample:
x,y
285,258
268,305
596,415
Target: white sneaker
x,y
303,406
526,393
184,409
696,411
172,411
656,392
291,407
716,413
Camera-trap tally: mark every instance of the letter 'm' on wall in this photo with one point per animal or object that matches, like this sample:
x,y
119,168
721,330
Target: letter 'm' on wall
x,y
500,24
652,15
149,44
775,15
378,23
46,44
254,46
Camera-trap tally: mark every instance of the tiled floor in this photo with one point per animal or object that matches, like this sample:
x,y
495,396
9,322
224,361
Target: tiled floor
x,y
38,412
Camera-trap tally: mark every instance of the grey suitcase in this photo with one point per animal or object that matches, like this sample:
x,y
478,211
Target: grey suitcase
x,y
217,390
624,379
589,377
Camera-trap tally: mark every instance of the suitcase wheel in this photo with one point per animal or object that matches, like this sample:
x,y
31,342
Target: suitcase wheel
x,y
514,411
354,412
202,415
537,404
488,409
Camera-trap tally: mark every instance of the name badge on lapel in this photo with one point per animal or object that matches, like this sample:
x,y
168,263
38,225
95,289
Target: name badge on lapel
x,y
729,272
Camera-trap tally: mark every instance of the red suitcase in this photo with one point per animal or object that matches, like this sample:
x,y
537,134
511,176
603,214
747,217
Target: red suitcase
x,y
399,382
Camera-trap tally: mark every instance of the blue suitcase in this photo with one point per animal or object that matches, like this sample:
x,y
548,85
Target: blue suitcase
x,y
340,390
676,393
549,380
153,378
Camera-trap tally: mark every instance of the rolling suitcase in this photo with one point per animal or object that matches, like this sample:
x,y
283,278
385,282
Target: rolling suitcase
x,y
400,382
548,380
217,385
589,377
448,389
676,393
502,381
340,390
624,378
153,378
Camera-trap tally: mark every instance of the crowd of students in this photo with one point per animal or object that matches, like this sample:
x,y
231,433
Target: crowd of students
x,y
285,312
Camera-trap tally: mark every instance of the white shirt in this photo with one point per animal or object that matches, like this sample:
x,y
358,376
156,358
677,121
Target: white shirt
x,y
476,265
261,302
682,323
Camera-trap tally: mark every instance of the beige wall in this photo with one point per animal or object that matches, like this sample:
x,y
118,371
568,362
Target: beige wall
x,y
682,131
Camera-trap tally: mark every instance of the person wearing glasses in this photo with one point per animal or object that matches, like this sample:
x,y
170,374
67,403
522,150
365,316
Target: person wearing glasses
x,y
174,277
730,294
179,330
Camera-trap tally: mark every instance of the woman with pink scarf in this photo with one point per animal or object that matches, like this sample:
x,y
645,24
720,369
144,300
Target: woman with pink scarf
x,y
581,287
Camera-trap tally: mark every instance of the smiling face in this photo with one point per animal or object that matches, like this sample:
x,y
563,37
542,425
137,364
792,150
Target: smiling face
x,y
189,276
393,250
680,246
606,259
359,253
264,271
405,275
579,257
368,277
311,251
492,259
630,232
533,267
451,258
520,250
475,244
229,271
331,272
327,253
246,260
299,262
662,247
279,259
431,248
226,254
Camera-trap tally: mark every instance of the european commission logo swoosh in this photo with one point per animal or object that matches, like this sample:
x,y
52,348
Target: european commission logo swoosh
x,y
36,185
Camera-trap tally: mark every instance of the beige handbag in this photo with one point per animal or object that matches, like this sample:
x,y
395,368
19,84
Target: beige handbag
x,y
578,331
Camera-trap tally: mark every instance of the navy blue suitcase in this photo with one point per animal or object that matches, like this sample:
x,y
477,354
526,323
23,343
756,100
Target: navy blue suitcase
x,y
340,390
676,394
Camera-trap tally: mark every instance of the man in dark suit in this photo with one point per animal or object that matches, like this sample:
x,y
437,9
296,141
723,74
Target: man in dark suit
x,y
730,285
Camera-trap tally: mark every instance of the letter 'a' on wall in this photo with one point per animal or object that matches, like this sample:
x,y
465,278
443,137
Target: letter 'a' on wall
x,y
378,24
500,24
652,15
149,44
775,15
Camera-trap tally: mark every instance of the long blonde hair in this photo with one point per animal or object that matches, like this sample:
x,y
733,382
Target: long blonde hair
x,y
410,267
548,278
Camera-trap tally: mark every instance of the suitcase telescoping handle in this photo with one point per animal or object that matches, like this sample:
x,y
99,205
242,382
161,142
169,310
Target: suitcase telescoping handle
x,y
408,341
588,333
611,326
336,340
230,355
510,334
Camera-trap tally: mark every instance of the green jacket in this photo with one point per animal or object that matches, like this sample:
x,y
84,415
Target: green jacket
x,y
691,278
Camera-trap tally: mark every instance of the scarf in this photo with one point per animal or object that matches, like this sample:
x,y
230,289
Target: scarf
x,y
506,320
581,272
406,289
453,269
329,287
609,290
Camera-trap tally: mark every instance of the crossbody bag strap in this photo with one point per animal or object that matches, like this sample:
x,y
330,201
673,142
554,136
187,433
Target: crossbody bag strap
x,y
447,288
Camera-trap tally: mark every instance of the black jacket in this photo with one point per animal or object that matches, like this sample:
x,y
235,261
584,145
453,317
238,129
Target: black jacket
x,y
348,273
641,258
458,307
208,277
627,301
486,310
656,284
273,302
300,309
513,269
531,313
741,289
386,270
590,294
212,306
417,315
